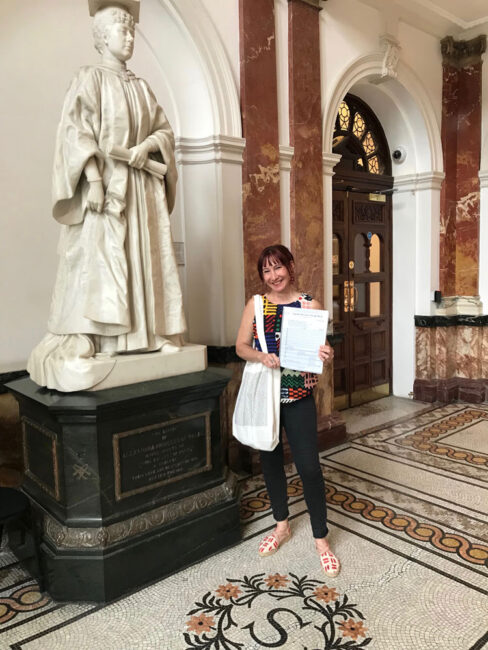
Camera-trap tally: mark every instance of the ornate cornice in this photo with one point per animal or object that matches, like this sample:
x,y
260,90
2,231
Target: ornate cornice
x,y
421,181
102,537
462,53
215,148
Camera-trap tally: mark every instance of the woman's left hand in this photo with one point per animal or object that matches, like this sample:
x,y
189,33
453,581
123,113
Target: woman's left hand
x,y
326,353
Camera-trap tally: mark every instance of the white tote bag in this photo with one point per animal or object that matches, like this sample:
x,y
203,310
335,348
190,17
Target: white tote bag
x,y
256,419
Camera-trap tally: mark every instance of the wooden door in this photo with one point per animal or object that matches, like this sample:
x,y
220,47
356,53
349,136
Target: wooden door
x,y
361,296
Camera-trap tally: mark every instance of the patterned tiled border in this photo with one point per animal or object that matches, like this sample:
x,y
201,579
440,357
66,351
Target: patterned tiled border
x,y
432,425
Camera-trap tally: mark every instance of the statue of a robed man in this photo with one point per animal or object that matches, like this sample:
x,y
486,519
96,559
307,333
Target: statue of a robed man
x,y
117,288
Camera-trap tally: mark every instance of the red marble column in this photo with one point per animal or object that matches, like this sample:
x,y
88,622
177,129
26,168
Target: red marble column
x,y
259,106
461,140
306,193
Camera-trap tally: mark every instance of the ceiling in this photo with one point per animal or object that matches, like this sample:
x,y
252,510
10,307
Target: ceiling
x,y
439,17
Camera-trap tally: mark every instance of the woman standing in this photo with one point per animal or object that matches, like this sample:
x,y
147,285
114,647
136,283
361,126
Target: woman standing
x,y
298,416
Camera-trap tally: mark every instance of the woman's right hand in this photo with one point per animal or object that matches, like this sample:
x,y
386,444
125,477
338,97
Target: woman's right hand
x,y
96,196
270,360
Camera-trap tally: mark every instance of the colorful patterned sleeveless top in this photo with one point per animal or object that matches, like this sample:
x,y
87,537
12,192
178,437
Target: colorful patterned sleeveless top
x,y
294,384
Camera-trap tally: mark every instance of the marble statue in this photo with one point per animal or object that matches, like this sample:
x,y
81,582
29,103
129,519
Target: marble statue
x,y
117,288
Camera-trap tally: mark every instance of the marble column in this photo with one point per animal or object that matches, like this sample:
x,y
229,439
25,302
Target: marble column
x,y
306,187
461,141
259,105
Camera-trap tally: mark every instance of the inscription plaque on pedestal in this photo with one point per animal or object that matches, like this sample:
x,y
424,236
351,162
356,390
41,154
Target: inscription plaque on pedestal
x,y
162,453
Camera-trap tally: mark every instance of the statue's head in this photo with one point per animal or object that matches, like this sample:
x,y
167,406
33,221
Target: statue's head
x,y
113,27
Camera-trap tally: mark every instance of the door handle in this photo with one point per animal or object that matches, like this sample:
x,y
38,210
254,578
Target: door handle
x,y
346,296
353,294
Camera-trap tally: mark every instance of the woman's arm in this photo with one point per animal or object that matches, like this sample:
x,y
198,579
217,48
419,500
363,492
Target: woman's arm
x,y
244,340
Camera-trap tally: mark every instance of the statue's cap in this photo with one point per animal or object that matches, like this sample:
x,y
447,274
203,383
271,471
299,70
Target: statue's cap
x,y
132,6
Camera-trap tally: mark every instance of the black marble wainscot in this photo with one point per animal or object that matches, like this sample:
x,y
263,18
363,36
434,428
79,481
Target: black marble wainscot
x,y
127,484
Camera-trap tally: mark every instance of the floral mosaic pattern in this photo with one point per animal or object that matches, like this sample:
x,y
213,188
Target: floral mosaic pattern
x,y
216,624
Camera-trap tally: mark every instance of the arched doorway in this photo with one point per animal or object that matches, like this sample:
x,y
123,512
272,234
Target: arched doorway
x,y
361,256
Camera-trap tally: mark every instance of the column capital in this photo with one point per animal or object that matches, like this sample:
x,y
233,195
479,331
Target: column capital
x,y
317,4
462,53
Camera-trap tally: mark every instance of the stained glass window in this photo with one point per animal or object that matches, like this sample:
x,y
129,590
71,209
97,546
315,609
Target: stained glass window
x,y
374,165
344,116
359,138
359,126
369,143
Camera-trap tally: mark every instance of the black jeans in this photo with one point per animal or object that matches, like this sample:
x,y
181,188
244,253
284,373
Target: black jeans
x,y
299,420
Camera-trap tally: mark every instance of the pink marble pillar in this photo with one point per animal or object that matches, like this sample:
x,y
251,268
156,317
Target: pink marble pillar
x,y
306,192
259,106
461,140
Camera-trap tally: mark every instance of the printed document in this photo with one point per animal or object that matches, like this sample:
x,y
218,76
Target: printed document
x,y
302,332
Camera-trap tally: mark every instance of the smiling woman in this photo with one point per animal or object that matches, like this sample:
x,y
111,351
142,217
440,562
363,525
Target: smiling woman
x,y
276,268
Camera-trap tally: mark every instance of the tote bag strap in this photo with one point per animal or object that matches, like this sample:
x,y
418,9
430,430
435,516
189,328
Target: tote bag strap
x,y
258,315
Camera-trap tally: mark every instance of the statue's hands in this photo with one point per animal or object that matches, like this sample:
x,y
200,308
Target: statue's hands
x,y
138,155
96,196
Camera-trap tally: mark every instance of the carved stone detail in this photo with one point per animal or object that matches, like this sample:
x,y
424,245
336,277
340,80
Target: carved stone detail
x,y
391,48
462,53
368,213
64,537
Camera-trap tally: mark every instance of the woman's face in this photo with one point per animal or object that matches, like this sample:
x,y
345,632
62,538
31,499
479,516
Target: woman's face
x,y
120,41
276,276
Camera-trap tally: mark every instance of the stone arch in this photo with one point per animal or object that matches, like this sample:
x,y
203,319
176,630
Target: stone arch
x,y
418,119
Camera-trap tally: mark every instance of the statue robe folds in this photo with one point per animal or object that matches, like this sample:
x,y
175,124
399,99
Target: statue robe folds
x,y
117,287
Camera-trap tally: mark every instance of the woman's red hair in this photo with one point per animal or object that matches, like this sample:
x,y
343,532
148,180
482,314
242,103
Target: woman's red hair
x,y
276,253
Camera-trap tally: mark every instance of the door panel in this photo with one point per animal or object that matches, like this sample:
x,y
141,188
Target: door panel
x,y
361,263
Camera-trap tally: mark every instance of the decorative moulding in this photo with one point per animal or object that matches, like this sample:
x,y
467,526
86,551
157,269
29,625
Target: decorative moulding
x,y
64,537
483,176
329,161
215,148
461,54
286,156
422,181
391,48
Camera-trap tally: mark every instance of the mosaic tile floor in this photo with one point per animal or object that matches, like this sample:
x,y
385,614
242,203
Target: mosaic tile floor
x,y
408,512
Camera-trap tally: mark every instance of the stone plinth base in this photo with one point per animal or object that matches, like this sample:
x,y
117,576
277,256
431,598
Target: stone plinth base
x,y
127,485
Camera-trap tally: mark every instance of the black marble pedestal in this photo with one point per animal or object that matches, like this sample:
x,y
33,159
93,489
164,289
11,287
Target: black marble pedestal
x,y
128,484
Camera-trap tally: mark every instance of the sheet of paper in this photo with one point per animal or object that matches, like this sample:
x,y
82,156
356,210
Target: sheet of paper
x,y
302,332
